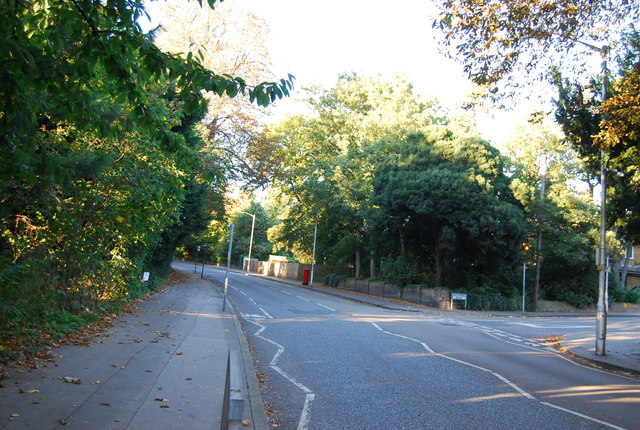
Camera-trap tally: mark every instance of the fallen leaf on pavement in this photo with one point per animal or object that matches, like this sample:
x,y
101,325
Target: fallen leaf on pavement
x,y
105,404
164,406
70,380
246,423
160,399
62,422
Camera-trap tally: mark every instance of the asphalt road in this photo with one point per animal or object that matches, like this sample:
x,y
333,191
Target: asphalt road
x,y
330,363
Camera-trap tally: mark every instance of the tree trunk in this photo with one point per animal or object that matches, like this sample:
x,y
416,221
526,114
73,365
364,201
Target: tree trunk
x,y
358,264
625,267
437,256
372,263
403,251
438,263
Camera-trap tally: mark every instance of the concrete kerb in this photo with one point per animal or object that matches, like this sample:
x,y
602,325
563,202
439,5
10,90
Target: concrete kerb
x,y
256,405
254,395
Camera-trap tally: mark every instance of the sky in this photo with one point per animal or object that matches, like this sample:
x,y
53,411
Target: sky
x,y
317,41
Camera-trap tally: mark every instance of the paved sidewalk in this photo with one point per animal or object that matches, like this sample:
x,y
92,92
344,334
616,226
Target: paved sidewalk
x,y
622,343
160,367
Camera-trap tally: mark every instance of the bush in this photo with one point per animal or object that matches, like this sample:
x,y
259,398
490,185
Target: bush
x,y
400,271
576,299
491,302
626,296
333,279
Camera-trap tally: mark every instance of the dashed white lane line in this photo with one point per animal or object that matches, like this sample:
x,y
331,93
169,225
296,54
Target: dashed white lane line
x,y
327,307
302,298
286,292
303,422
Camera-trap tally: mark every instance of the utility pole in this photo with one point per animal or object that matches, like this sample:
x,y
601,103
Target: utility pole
x,y
226,278
603,257
313,254
253,225
536,285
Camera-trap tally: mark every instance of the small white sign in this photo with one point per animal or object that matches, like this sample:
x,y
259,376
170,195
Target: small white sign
x,y
145,276
458,296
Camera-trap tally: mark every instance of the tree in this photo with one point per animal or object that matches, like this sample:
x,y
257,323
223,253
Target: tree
x,y
447,200
322,165
96,127
565,220
262,247
497,39
232,41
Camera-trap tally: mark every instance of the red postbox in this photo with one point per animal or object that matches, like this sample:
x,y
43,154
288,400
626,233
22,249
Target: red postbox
x,y
305,276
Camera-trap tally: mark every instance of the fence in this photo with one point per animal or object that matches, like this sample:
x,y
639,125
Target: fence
x,y
434,297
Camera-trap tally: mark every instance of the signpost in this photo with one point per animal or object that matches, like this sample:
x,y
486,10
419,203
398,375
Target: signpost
x,y
459,296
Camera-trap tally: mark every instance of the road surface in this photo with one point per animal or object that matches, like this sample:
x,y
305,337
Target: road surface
x,y
329,363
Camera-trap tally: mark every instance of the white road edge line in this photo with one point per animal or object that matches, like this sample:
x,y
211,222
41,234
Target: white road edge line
x,y
303,423
502,378
586,417
426,347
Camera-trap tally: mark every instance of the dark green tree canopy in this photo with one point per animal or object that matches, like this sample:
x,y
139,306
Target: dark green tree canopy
x,y
450,201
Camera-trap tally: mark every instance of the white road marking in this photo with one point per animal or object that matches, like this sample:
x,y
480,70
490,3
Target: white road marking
x,y
253,301
502,378
586,417
428,349
324,306
559,326
303,422
252,316
286,292
265,313
306,300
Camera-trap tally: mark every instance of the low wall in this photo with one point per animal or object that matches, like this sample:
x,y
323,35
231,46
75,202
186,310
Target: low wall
x,y
435,297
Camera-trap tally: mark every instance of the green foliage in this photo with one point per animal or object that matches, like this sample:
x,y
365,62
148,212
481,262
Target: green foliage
x,y
101,175
626,296
492,302
334,280
322,163
399,270
448,203
497,40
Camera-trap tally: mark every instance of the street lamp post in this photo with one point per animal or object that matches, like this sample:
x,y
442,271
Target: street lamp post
x,y
601,309
601,255
253,225
313,255
226,277
544,164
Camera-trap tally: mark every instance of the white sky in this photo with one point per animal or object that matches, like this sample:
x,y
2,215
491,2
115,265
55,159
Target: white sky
x,y
316,41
